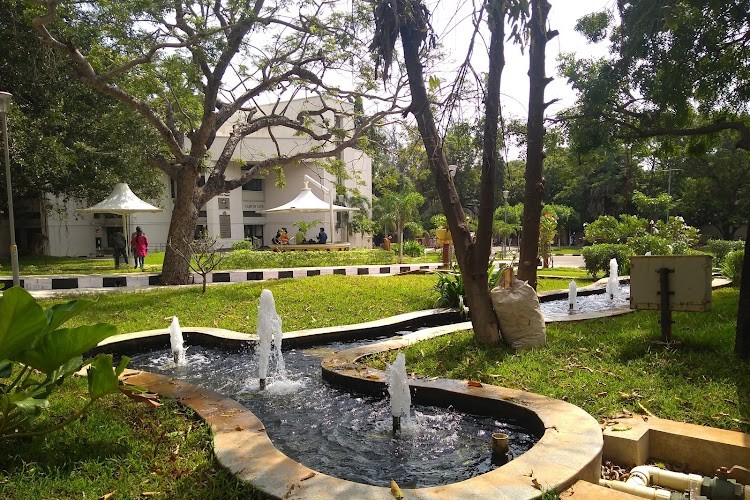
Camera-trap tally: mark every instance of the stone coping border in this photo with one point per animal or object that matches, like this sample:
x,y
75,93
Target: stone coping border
x,y
569,450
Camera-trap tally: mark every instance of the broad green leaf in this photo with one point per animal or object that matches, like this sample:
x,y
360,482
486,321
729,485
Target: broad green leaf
x,y
28,404
69,367
121,367
102,377
21,322
6,368
60,313
57,347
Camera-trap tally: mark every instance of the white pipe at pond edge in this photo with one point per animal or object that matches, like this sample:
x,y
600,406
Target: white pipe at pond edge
x,y
643,476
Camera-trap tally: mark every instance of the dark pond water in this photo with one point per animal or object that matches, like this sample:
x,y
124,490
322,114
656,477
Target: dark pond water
x,y
344,434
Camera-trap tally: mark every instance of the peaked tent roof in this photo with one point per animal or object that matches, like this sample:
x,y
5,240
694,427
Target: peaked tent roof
x,y
121,201
306,201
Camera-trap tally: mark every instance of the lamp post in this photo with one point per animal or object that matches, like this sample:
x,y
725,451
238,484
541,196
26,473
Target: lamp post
x,y
505,245
5,99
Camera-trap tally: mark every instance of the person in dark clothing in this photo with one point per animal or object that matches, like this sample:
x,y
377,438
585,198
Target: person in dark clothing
x,y
118,244
322,236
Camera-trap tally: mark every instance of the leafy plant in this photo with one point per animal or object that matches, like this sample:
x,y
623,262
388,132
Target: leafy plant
x,y
203,255
450,286
36,355
732,267
650,243
721,248
305,226
597,257
246,244
413,249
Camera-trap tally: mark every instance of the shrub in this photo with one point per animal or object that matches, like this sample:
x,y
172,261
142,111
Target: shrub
x,y
246,244
249,259
732,267
597,258
640,245
607,229
680,235
721,248
413,249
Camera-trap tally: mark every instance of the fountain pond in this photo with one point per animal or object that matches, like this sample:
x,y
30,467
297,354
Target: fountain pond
x,y
598,301
346,434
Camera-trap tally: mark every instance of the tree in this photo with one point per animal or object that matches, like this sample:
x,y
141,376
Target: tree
x,y
665,58
398,209
408,19
65,139
189,67
534,195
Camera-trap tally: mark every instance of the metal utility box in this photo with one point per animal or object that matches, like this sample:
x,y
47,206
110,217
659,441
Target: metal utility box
x,y
689,282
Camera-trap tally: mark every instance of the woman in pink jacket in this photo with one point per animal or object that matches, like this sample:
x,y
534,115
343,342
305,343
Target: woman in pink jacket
x,y
139,243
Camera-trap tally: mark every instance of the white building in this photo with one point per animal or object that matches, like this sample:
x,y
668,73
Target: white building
x,y
232,216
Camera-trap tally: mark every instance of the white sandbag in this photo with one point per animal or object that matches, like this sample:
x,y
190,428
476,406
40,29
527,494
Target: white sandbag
x,y
520,317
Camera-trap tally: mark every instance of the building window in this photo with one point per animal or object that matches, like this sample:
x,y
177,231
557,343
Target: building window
x,y
251,213
253,231
253,185
199,230
225,226
223,203
202,213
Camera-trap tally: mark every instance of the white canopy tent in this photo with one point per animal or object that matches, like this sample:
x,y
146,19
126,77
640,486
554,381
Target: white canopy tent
x,y
307,202
121,201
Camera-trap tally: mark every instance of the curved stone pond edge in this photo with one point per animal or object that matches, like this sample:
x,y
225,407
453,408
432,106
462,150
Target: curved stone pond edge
x,y
569,450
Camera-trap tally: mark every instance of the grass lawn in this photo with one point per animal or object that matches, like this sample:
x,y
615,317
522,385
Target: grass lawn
x,y
573,272
121,448
611,366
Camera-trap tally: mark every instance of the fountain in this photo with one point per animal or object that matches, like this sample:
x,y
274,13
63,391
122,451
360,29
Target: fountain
x,y
398,389
612,282
176,342
269,335
343,434
572,297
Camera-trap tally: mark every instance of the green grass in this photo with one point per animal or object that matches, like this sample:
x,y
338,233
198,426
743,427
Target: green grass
x,y
573,272
122,447
565,251
78,265
611,366
313,302
302,303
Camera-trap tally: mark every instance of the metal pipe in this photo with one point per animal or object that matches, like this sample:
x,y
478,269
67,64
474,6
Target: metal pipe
x,y
262,383
396,424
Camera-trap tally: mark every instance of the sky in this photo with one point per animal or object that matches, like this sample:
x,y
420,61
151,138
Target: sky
x,y
454,28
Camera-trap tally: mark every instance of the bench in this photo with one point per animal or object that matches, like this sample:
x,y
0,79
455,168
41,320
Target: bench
x,y
314,247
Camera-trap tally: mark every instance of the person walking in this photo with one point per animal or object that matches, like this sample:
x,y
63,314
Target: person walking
x,y
118,244
140,244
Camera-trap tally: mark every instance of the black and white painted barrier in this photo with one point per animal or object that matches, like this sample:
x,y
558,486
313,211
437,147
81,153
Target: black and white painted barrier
x,y
144,280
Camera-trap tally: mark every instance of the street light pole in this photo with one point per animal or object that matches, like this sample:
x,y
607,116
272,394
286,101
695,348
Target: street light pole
x,y
505,246
5,99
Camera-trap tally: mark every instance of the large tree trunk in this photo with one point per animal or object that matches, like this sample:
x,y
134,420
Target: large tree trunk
x,y
471,259
175,270
534,193
742,340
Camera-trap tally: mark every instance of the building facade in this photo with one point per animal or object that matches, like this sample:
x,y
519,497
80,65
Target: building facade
x,y
232,216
